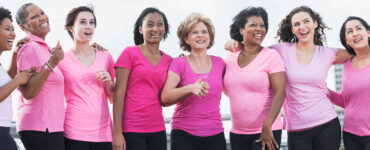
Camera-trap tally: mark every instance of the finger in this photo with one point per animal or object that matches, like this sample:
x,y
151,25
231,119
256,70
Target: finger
x,y
199,80
273,140
58,45
263,145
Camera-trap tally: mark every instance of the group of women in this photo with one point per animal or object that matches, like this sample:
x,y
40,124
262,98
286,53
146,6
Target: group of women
x,y
257,80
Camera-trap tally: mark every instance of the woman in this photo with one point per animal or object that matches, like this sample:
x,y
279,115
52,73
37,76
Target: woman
x,y
88,75
355,37
312,122
141,72
194,83
7,85
40,114
255,83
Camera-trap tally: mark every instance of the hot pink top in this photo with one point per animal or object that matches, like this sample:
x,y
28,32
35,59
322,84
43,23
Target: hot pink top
x,y
87,113
250,91
142,110
355,99
307,104
199,116
46,110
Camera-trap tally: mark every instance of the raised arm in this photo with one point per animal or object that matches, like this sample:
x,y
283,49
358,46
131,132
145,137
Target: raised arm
x,y
171,94
342,56
277,81
122,75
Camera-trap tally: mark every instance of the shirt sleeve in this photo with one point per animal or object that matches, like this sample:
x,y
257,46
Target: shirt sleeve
x,y
28,57
276,63
110,67
175,66
125,59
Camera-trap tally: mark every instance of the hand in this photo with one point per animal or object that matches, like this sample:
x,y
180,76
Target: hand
x,y
119,142
23,77
200,88
57,55
103,76
21,42
98,47
233,46
267,138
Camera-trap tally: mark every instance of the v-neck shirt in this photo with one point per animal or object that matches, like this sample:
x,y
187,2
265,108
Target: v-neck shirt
x,y
87,113
142,110
199,116
307,104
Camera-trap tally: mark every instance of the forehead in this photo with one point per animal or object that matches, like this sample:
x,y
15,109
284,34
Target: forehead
x,y
353,23
33,9
199,26
153,17
254,19
300,16
85,15
6,22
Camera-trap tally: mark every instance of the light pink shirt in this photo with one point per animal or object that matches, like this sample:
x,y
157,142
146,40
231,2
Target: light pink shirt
x,y
87,113
6,110
250,91
142,110
306,104
199,116
46,110
355,99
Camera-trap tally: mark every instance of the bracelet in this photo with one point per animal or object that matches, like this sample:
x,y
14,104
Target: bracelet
x,y
51,68
48,68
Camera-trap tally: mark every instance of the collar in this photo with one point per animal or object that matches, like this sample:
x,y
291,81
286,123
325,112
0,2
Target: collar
x,y
36,39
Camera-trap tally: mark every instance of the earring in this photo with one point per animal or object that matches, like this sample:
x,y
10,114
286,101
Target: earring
x,y
295,38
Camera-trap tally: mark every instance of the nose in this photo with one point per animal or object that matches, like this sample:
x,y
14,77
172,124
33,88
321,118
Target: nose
x,y
12,34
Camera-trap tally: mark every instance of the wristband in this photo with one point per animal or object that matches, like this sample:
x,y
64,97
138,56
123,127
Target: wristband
x,y
49,66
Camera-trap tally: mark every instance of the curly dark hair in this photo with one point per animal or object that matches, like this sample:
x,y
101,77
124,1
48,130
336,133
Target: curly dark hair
x,y
138,37
342,33
72,15
5,13
285,33
241,19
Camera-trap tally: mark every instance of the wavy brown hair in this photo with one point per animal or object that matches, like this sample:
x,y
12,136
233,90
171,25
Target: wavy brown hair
x,y
285,33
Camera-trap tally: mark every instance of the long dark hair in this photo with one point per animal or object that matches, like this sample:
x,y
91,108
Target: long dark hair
x,y
342,33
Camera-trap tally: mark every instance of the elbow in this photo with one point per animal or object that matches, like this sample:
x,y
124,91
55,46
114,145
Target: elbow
x,y
165,100
28,96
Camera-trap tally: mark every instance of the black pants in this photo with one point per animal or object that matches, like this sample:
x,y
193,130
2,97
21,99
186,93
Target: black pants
x,y
181,140
248,141
146,141
83,145
323,137
37,140
6,140
355,142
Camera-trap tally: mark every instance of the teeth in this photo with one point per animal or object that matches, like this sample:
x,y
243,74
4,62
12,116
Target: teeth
x,y
200,41
258,36
10,41
44,24
88,33
356,40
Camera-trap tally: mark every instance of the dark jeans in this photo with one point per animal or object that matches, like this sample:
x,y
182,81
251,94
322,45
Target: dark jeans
x,y
355,142
37,140
248,141
146,141
323,137
83,145
181,140
6,140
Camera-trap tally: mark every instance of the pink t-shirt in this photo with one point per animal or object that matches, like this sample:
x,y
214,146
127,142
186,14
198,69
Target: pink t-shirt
x,y
199,116
250,91
87,114
142,110
355,99
46,110
306,104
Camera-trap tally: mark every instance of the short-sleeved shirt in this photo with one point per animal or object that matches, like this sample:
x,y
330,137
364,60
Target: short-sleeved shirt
x,y
355,99
142,110
87,113
194,115
6,111
250,91
307,104
46,110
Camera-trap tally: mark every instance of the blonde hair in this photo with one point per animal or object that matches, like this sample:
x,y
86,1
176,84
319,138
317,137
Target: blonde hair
x,y
186,26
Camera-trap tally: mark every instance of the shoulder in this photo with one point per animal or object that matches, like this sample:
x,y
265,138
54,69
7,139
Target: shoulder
x,y
270,52
327,50
217,60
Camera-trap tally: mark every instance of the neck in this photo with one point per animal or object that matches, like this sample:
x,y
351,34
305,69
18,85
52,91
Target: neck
x,y
81,47
251,49
151,48
306,46
363,53
198,54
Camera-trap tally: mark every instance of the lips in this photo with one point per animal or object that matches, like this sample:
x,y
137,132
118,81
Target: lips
x,y
258,36
88,33
200,41
357,40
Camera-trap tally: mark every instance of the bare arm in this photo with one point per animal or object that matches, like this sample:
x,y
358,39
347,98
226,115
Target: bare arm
x,y
122,75
278,81
342,56
172,95
13,65
21,78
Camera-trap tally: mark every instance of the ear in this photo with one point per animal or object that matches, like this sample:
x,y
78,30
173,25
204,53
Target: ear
x,y
241,30
71,29
23,27
186,40
140,29
315,22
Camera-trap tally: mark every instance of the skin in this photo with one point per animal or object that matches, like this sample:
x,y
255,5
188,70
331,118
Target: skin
x,y
7,37
153,30
37,23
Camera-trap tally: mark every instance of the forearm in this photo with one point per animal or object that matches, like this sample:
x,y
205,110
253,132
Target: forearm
x,y
12,71
275,108
110,90
35,84
118,105
7,89
175,95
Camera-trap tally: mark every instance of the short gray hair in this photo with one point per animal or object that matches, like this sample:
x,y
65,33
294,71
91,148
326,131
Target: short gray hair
x,y
22,13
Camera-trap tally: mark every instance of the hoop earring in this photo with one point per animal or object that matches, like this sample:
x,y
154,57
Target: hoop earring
x,y
295,38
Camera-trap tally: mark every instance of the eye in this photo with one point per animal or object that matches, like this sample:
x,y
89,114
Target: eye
x,y
306,21
349,31
150,24
92,22
262,26
253,25
34,16
82,22
296,24
160,24
205,31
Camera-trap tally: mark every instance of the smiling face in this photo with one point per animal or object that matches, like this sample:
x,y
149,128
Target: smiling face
x,y
254,31
303,27
37,22
356,35
198,37
7,34
83,27
152,28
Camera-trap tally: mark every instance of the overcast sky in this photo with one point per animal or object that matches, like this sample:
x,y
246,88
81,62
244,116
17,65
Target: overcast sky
x,y
116,18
